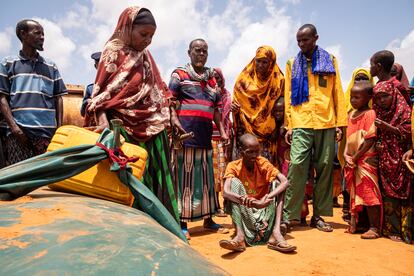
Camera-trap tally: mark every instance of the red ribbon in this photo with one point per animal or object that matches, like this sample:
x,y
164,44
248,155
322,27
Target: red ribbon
x,y
118,156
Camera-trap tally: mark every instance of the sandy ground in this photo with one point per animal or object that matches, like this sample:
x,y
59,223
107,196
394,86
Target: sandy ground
x,y
318,253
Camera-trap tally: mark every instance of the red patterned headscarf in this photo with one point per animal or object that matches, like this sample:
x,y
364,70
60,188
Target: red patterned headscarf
x,y
128,85
395,177
399,107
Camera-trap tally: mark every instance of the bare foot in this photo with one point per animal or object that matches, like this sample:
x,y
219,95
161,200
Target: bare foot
x,y
395,238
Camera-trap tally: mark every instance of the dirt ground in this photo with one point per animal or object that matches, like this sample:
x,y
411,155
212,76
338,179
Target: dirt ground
x,y
318,253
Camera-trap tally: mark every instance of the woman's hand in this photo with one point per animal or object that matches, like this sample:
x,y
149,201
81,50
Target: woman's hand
x,y
97,129
102,122
408,155
235,107
383,125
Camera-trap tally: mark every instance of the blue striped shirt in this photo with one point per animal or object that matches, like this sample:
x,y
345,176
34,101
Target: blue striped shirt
x,y
31,87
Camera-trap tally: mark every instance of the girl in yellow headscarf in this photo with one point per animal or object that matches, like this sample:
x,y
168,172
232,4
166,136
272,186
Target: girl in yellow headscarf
x,y
359,74
257,88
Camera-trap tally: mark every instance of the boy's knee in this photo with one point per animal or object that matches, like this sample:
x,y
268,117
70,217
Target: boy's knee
x,y
236,186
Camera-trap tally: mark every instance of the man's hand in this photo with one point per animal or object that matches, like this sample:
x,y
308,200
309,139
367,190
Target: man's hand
x,y
175,122
408,155
288,137
19,134
176,125
263,202
247,201
339,134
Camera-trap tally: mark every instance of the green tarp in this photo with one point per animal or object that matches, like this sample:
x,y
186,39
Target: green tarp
x,y
22,178
56,233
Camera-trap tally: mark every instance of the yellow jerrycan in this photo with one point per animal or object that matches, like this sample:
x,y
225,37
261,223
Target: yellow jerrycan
x,y
98,181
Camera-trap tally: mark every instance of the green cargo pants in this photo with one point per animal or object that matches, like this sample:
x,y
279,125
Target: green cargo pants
x,y
322,142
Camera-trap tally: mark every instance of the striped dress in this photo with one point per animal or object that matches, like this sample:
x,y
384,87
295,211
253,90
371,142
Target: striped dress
x,y
198,98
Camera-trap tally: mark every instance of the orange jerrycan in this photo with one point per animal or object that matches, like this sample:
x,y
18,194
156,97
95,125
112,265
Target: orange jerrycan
x,y
98,181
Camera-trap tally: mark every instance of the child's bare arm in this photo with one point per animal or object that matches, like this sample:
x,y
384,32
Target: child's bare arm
x,y
363,149
347,157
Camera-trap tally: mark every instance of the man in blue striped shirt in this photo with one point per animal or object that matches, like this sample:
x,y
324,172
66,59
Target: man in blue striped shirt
x,y
30,96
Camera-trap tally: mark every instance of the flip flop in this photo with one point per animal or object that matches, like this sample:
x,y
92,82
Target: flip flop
x,y
221,213
281,246
217,228
303,222
370,235
232,245
186,233
395,238
320,224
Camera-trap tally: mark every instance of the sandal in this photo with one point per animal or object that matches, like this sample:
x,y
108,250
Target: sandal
x,y
217,228
346,217
186,233
320,224
395,238
303,222
281,246
221,213
371,234
350,230
232,245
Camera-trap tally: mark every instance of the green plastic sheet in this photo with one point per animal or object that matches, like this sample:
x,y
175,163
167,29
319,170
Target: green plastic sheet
x,y
24,177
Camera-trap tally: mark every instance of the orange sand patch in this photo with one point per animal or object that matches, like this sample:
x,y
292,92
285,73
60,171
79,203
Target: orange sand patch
x,y
30,218
73,234
22,199
40,254
14,243
318,253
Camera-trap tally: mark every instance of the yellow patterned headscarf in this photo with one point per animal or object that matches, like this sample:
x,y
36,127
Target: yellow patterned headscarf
x,y
351,84
257,97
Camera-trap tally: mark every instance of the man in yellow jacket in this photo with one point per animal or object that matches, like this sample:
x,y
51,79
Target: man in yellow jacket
x,y
315,112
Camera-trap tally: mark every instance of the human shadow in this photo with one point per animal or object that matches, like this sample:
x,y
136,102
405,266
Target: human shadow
x,y
199,231
335,226
231,255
